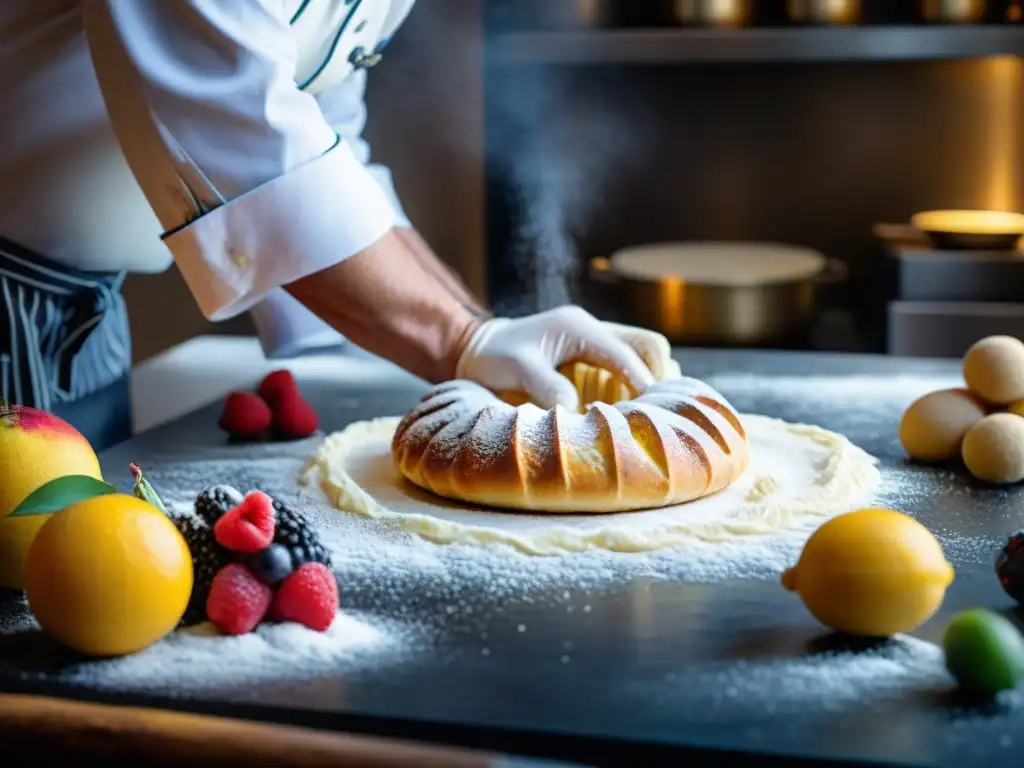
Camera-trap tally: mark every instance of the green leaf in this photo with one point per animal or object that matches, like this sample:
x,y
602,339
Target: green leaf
x,y
145,491
60,493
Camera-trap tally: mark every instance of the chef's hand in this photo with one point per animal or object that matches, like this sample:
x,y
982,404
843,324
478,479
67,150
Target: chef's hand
x,y
523,355
652,347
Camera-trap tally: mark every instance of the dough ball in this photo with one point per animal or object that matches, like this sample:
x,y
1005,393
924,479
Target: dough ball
x,y
994,369
993,449
933,427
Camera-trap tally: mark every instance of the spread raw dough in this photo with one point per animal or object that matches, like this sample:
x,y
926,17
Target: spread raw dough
x,y
798,475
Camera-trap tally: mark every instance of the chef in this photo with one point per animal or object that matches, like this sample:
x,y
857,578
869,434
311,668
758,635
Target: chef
x,y
225,135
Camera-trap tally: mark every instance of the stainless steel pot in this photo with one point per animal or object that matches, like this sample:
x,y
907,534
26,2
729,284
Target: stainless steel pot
x,y
564,15
953,11
595,13
829,12
727,294
713,13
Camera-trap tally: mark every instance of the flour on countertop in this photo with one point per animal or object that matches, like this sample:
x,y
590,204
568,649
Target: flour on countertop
x,y
818,388
389,572
200,657
373,558
831,679
839,678
846,404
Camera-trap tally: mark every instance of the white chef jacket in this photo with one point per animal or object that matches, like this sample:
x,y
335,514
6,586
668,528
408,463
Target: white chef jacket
x,y
225,134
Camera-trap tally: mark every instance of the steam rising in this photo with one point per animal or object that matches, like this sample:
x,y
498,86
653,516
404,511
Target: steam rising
x,y
560,180
560,141
557,136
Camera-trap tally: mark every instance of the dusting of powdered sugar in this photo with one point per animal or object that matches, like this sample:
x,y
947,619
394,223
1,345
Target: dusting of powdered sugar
x,y
833,679
855,390
377,562
388,572
461,419
200,657
867,409
850,405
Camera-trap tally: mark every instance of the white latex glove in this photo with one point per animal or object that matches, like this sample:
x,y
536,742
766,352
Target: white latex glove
x,y
523,355
652,347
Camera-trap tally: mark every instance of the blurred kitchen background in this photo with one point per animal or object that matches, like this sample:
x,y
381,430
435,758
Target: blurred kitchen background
x,y
535,142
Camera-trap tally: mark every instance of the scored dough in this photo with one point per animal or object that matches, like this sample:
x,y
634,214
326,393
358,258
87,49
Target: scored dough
x,y
798,475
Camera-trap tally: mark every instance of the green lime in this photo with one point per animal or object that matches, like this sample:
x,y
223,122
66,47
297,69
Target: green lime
x,y
984,651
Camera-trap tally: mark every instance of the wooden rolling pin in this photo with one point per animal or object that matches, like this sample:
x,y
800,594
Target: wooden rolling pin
x,y
35,728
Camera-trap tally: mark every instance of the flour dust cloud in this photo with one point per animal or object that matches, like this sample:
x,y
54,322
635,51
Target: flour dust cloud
x,y
557,137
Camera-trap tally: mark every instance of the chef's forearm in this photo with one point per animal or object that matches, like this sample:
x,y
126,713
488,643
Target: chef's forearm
x,y
444,274
386,302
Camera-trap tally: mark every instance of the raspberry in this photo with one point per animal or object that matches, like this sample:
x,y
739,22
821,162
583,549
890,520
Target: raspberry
x,y
249,527
208,558
308,597
275,384
294,418
245,416
298,536
213,503
238,600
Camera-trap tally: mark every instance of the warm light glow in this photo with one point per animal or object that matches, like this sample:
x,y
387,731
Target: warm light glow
x,y
1005,74
958,11
966,222
672,306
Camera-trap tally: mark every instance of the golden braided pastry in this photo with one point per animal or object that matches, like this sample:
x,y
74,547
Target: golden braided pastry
x,y
678,441
594,385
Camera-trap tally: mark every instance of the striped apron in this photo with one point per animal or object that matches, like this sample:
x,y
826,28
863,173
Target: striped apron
x,y
65,345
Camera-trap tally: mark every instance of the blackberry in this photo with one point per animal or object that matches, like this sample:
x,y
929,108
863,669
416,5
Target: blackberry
x,y
1010,567
208,557
302,541
214,502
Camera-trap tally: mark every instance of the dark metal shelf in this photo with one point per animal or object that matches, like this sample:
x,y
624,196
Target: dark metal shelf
x,y
682,46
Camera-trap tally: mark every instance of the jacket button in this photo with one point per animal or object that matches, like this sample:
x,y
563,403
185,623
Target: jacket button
x,y
239,258
363,60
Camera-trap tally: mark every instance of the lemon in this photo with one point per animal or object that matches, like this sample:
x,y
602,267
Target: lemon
x,y
984,651
108,576
872,572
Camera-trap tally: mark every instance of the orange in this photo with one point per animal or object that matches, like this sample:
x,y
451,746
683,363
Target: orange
x,y
35,448
109,576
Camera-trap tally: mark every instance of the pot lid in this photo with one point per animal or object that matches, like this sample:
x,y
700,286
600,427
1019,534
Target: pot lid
x,y
719,263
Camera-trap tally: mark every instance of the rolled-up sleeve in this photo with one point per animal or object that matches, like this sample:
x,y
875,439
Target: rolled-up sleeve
x,y
254,187
344,107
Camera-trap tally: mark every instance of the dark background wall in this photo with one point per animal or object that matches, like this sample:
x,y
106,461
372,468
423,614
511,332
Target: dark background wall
x,y
811,154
